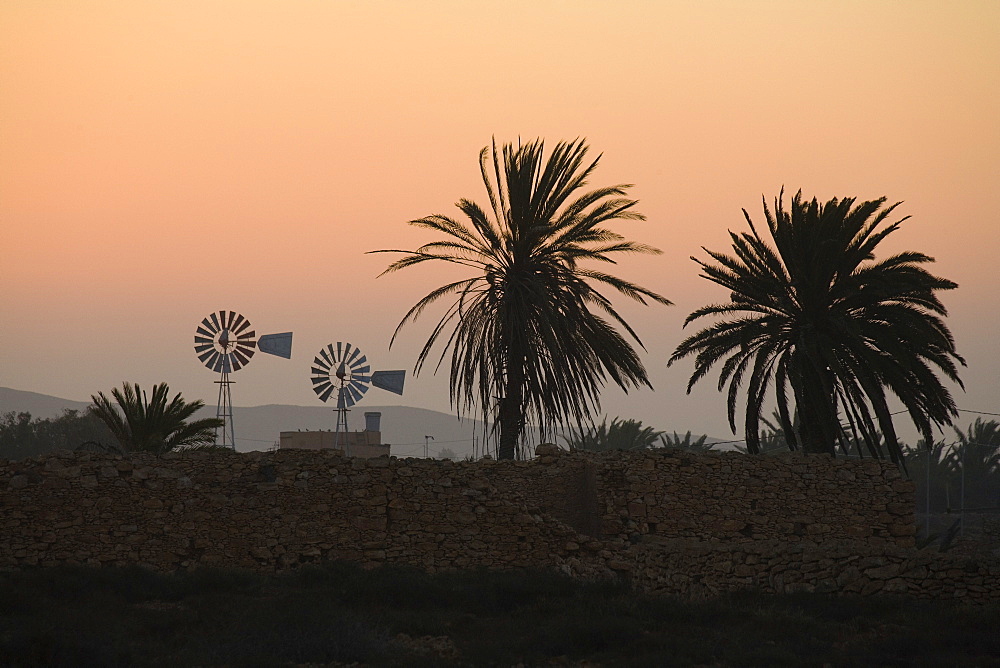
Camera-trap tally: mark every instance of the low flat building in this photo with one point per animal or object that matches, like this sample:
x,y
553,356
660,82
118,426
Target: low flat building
x,y
365,444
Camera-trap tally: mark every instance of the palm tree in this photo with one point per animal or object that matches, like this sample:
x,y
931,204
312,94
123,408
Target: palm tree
x,y
772,440
824,323
686,442
154,424
527,331
934,469
977,459
619,435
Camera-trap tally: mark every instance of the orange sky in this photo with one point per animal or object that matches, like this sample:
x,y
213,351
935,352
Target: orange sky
x,y
159,160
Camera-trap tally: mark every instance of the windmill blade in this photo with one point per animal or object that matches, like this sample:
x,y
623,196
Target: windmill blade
x,y
343,400
276,344
204,339
356,364
209,328
240,324
208,358
319,371
203,329
220,362
229,321
202,348
215,321
239,359
326,393
365,370
357,390
353,394
245,349
331,357
322,364
391,381
350,360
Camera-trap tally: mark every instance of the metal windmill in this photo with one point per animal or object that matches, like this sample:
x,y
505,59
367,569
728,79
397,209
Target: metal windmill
x,y
225,342
343,368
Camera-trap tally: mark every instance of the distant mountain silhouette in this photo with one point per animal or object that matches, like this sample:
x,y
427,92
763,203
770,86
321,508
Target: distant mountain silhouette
x,y
258,427
39,405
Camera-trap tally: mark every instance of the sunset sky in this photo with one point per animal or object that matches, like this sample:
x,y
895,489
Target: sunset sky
x,y
161,160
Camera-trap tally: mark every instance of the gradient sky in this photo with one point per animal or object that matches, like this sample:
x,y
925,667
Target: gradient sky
x,y
160,160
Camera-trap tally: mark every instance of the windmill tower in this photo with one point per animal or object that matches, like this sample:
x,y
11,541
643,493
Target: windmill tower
x,y
225,342
343,369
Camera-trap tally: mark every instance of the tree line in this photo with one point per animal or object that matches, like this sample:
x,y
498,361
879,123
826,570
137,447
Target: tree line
x,y
134,422
814,320
950,475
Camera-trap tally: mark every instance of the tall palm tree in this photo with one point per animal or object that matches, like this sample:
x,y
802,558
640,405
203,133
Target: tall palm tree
x,y
527,330
153,424
817,317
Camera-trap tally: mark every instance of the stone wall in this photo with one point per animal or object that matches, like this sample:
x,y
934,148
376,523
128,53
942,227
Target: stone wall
x,y
735,498
664,567
717,496
674,522
270,511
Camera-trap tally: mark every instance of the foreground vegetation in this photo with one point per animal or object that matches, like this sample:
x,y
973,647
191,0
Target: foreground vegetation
x,y
339,613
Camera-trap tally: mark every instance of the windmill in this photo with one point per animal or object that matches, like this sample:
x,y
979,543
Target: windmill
x,y
225,342
344,370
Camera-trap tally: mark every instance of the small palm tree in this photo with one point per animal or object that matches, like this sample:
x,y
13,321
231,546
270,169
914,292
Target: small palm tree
x,y
933,467
155,424
983,436
619,435
977,458
686,442
527,329
772,437
815,317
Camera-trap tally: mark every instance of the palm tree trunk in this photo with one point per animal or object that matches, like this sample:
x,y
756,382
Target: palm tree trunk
x,y
511,413
818,424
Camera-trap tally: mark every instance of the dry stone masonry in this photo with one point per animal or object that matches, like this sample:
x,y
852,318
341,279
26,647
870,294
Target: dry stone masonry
x,y
673,522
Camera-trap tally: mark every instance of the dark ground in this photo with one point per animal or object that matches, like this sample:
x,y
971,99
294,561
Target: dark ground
x,y
337,614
